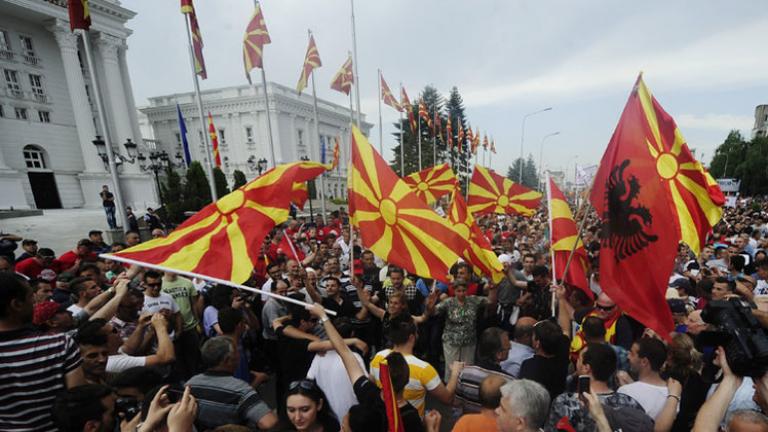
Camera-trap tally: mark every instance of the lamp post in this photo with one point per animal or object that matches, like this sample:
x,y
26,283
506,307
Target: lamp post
x,y
522,139
158,161
541,154
112,162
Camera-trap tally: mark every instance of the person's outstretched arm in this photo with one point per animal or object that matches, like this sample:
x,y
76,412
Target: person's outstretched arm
x,y
354,371
714,409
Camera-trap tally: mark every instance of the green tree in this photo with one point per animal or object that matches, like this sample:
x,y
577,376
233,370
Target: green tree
x,y
220,180
197,192
173,199
461,159
728,156
530,173
240,179
433,101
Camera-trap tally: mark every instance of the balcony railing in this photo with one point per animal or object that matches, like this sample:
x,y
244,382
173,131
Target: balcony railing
x,y
6,54
41,97
14,93
31,59
30,96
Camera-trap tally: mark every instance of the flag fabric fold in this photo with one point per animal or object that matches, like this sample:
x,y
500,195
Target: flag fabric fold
x,y
256,36
79,14
437,127
214,140
432,183
424,113
491,193
344,78
224,239
460,135
563,232
449,134
405,104
649,193
394,420
183,135
388,97
311,61
197,41
393,222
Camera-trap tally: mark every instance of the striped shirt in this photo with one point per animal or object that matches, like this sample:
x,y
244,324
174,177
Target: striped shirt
x,y
423,378
32,370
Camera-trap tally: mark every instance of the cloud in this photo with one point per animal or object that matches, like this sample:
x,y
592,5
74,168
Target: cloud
x,y
715,122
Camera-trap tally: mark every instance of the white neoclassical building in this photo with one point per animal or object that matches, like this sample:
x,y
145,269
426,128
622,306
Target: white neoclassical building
x,y
47,111
239,115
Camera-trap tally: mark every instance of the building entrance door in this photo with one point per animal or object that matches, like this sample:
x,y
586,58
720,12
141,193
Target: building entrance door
x,y
44,190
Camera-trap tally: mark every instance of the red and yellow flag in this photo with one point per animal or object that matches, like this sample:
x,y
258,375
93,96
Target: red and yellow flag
x,y
405,103
393,222
387,96
485,142
344,78
80,14
394,421
470,139
437,126
491,193
424,113
336,153
493,146
224,239
299,194
475,140
449,134
311,61
432,183
214,140
197,38
256,36
479,252
460,134
562,235
650,194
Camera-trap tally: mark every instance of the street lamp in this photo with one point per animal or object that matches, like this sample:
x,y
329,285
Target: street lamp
x,y
262,165
158,161
310,189
541,154
522,139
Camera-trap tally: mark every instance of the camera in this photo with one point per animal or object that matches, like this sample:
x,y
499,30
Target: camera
x,y
738,331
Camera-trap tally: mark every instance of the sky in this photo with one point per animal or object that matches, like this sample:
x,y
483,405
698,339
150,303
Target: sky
x,y
706,62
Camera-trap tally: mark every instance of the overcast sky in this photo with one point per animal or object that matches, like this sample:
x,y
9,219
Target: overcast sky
x,y
706,62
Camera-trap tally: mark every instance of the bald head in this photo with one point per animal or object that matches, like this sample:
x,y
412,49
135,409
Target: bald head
x,y
490,391
524,330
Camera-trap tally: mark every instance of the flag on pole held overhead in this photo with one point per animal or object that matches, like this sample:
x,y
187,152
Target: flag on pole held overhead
x,y
563,232
183,135
79,14
491,193
394,420
344,78
197,39
432,183
214,140
256,36
388,97
311,61
449,134
479,252
649,193
405,103
393,222
224,239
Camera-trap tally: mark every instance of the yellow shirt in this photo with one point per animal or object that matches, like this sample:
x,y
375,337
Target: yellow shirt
x,y
423,378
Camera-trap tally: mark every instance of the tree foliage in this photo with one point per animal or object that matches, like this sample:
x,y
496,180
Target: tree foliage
x,y
172,194
240,179
530,174
197,192
743,160
220,181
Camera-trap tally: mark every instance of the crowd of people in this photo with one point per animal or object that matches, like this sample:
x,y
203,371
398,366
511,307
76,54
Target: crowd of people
x,y
91,344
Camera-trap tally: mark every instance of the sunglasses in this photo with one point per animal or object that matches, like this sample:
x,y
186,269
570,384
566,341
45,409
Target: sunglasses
x,y
152,285
605,308
305,384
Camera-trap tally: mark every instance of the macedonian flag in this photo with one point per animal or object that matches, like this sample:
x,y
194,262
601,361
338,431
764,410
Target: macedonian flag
x,y
432,183
562,235
650,194
393,222
224,239
478,252
256,36
311,61
492,193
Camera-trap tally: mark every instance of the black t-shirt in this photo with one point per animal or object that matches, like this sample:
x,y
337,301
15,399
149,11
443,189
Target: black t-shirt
x,y
294,357
344,309
550,372
370,395
691,399
106,198
624,334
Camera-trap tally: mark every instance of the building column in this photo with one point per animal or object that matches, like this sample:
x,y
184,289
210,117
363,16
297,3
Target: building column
x,y
115,94
81,106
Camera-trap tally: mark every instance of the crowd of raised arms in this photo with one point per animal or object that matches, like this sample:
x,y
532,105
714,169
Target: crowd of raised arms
x,y
90,344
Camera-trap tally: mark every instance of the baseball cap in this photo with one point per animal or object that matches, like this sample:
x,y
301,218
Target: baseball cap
x,y
46,310
85,242
28,242
94,232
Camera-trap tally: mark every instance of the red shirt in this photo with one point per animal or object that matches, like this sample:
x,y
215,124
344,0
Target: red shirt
x,y
69,258
32,268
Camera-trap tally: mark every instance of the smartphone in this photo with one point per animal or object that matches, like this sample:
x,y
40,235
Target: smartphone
x,y
583,386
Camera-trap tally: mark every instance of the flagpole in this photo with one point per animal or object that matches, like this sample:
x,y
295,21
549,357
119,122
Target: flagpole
x,y
419,129
434,147
317,134
552,252
381,133
206,138
357,75
402,143
105,131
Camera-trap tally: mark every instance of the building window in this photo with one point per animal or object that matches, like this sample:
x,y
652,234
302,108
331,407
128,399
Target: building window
x,y
300,137
33,157
178,139
28,50
36,82
248,134
45,116
5,46
2,111
21,113
12,82
222,138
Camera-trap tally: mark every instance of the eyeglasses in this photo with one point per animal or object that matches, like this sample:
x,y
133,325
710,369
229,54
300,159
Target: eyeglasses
x,y
605,308
305,384
152,285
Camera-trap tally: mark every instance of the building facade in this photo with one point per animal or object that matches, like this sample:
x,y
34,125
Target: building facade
x,y
48,112
760,129
239,116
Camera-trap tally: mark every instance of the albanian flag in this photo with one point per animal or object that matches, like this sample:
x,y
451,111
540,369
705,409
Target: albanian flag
x,y
432,183
492,193
478,252
393,222
224,239
650,194
562,235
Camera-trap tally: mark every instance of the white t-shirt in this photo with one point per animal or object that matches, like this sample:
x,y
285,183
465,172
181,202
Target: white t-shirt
x,y
331,376
75,309
650,396
120,362
162,301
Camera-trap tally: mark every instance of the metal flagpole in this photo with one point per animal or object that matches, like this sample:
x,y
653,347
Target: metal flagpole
x,y
266,107
551,252
419,136
381,133
357,75
402,143
317,134
206,137
105,132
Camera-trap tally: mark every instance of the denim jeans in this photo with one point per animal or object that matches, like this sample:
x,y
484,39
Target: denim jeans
x,y
110,211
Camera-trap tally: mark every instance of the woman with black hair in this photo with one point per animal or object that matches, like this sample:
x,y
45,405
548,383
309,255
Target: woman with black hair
x,y
307,408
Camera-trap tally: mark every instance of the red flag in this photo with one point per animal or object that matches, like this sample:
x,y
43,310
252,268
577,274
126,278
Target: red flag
x,y
344,78
406,104
437,127
449,134
460,136
79,14
256,36
387,96
424,113
491,193
336,153
187,7
214,140
470,138
432,183
311,61
197,42
562,235
288,248
394,422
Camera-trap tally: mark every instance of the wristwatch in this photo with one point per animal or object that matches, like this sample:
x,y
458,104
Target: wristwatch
x,y
323,320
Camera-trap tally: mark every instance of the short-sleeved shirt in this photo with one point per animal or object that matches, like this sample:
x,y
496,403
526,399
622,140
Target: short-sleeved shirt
x,y
295,358
370,395
32,372
223,399
161,302
183,293
651,397
271,311
475,422
107,199
344,309
210,319
423,378
568,405
461,320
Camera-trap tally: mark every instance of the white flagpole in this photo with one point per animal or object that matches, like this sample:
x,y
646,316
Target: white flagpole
x,y
402,143
381,133
418,118
551,251
266,106
357,75
206,137
317,134
119,203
